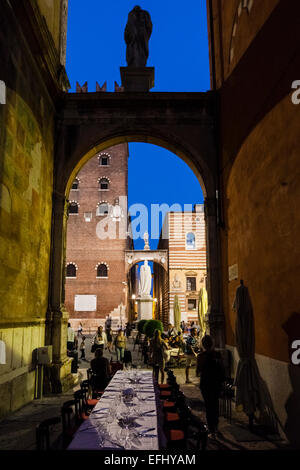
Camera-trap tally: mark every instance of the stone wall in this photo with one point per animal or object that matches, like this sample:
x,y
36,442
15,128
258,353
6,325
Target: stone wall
x,y
26,183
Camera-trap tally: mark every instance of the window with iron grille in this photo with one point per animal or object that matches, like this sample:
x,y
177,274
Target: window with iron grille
x,y
102,209
104,184
73,208
192,304
190,283
75,184
104,161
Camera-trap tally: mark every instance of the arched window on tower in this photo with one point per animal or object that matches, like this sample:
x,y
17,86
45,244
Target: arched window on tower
x,y
102,209
71,270
104,184
75,184
102,270
104,160
190,241
73,207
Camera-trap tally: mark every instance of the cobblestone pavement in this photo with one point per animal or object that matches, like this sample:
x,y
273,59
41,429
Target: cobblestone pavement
x,y
17,432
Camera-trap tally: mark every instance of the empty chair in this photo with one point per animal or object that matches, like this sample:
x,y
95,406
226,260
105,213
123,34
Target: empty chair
x,y
69,416
43,433
87,390
82,409
115,366
226,397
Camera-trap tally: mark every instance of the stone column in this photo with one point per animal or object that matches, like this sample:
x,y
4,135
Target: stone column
x,y
215,314
57,317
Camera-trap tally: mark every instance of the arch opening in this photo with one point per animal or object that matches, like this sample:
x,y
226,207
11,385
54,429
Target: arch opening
x,y
162,272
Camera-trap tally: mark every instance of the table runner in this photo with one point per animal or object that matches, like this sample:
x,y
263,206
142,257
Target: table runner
x,y
87,436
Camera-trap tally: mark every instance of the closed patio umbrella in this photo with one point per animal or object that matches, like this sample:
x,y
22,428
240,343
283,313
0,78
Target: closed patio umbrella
x,y
248,382
177,313
202,309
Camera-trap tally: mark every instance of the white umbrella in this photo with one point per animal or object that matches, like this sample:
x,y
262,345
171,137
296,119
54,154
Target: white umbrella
x,y
202,309
177,313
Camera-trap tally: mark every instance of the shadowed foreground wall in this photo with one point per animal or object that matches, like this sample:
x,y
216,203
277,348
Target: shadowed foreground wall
x,y
259,153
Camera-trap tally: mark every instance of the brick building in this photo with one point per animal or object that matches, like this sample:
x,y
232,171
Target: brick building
x,y
95,263
183,235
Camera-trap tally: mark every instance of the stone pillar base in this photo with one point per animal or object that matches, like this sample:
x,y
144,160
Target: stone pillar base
x,y
145,309
58,377
216,328
137,79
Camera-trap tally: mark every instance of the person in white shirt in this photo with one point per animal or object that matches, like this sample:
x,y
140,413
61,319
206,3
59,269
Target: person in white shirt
x,y
100,339
70,338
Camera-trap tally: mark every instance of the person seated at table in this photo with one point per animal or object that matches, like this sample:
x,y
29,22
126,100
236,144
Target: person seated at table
x,y
171,330
101,370
145,349
179,343
158,350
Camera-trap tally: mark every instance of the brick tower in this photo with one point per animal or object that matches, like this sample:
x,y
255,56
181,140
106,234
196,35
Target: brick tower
x,y
96,241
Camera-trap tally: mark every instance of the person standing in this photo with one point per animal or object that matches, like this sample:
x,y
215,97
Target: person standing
x,y
82,348
211,369
70,338
158,351
79,331
120,345
109,336
145,349
100,339
108,323
128,330
190,353
71,348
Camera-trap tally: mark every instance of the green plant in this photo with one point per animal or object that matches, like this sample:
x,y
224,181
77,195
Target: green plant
x,y
150,326
140,326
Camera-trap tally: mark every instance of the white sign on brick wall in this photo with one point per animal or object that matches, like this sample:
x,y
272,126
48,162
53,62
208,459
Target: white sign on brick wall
x,y
85,303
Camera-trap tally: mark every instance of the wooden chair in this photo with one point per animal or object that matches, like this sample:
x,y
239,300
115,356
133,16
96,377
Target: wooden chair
x,y
43,433
82,409
115,366
226,397
70,424
87,390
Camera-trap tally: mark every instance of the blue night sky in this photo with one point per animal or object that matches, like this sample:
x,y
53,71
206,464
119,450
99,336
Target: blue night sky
x,y
178,49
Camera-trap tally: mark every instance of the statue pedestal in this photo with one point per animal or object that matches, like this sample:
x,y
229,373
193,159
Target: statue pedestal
x,y
145,308
137,79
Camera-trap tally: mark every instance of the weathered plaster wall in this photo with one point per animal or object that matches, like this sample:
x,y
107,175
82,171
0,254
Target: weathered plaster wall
x,y
51,10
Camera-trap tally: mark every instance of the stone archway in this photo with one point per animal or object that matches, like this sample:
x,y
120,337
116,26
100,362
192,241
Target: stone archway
x,y
184,123
135,256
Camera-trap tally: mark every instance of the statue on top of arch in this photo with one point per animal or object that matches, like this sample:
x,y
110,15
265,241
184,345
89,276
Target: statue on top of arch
x,y
137,34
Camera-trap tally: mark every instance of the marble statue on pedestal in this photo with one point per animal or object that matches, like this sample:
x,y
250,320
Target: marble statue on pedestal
x,y
145,280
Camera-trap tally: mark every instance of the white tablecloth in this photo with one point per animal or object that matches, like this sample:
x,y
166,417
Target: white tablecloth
x,y
87,436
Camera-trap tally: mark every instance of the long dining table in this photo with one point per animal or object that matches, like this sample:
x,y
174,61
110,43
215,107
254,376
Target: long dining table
x,y
127,416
